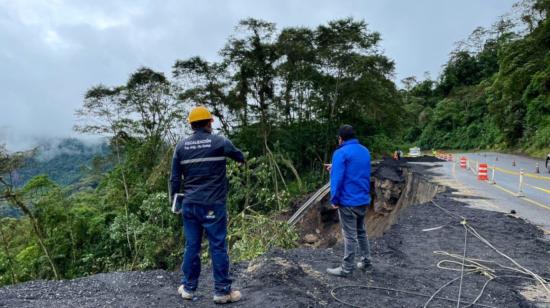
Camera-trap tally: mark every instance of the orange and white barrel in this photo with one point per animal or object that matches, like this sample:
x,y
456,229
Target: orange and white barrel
x,y
463,162
482,172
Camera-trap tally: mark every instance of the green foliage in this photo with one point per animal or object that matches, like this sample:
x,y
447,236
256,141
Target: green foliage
x,y
251,235
280,90
97,230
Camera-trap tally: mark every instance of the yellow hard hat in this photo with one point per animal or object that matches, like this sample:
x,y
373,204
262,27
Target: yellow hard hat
x,y
199,113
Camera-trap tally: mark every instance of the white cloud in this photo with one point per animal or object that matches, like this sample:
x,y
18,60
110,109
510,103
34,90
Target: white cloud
x,y
60,13
56,42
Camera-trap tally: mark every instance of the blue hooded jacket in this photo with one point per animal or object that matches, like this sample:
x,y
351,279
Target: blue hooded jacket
x,y
350,175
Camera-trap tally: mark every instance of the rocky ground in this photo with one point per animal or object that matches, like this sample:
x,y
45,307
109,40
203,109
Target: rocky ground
x,y
403,259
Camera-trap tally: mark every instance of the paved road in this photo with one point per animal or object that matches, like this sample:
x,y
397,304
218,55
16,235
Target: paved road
x,y
534,205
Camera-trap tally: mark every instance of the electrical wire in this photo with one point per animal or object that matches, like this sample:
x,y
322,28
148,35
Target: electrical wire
x,y
467,266
333,291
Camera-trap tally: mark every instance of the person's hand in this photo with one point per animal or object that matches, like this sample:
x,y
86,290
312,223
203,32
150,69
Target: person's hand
x,y
334,206
328,167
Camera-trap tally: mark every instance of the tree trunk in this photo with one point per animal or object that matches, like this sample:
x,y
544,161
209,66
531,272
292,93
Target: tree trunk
x,y
5,245
36,229
126,192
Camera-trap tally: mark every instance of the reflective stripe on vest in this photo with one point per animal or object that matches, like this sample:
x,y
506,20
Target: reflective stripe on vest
x,y
200,160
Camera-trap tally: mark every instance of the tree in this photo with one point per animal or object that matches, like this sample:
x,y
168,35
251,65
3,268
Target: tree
x,y
148,96
252,57
9,163
205,84
7,224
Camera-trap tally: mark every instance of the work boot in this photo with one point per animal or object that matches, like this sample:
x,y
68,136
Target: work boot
x,y
184,294
338,271
364,265
231,297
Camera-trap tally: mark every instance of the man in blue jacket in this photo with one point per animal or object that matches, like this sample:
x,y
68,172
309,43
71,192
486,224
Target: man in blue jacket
x,y
201,160
350,194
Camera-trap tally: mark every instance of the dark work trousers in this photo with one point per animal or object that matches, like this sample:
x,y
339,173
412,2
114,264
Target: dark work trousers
x,y
352,219
197,219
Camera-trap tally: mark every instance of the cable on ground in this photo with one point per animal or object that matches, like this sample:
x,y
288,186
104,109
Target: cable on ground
x,y
333,291
467,266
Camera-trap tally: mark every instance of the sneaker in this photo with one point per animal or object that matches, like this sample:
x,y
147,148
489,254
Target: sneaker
x,y
338,271
364,265
184,294
231,297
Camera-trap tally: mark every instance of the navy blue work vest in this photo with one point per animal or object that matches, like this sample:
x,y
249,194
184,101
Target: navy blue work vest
x,y
201,159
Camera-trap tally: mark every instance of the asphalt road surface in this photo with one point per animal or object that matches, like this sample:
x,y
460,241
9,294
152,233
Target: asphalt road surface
x,y
531,203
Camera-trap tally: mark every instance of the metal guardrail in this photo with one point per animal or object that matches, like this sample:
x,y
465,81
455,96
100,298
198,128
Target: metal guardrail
x,y
315,198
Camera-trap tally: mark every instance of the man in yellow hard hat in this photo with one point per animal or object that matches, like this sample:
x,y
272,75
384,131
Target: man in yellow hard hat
x,y
201,160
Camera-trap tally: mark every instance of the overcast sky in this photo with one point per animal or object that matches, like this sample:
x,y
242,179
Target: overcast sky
x,y
51,51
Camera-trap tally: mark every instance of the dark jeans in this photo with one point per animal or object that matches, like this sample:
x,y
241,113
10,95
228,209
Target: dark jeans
x,y
352,220
196,220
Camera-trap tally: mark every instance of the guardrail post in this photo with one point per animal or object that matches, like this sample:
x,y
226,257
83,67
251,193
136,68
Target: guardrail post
x,y
520,188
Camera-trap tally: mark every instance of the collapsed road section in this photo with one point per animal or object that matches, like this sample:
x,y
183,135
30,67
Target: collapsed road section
x,y
418,250
393,188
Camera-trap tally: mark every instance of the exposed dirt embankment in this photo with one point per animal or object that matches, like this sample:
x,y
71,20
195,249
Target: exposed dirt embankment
x,y
394,187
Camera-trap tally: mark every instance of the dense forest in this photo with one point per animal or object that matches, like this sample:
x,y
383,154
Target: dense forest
x,y
65,161
280,95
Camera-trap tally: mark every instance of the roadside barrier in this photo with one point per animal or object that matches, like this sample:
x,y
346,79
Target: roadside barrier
x,y
529,175
520,188
482,172
463,162
473,166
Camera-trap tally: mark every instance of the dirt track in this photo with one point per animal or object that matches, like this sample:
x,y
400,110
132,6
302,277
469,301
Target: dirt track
x,y
403,258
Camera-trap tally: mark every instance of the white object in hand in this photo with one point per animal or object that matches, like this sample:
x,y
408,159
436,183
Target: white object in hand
x,y
175,201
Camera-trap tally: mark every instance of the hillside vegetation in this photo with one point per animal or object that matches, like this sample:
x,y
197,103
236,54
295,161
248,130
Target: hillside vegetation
x,y
64,161
493,93
280,96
